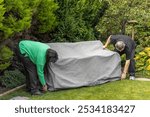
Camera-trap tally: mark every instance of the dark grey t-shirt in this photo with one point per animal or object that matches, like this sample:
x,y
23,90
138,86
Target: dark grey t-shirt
x,y
129,44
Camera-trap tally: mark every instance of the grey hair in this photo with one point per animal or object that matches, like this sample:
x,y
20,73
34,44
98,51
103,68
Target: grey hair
x,y
120,45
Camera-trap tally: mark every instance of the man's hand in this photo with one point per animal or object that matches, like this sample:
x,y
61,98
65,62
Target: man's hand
x,y
44,88
104,47
123,76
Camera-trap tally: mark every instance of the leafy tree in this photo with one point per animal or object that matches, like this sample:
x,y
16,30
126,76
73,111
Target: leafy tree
x,y
20,15
44,19
17,16
2,9
45,15
120,12
77,19
116,20
5,57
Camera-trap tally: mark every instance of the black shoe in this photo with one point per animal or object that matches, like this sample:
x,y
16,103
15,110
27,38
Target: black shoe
x,y
36,93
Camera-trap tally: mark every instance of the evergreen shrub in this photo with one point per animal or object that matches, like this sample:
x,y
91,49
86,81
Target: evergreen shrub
x,y
5,56
12,79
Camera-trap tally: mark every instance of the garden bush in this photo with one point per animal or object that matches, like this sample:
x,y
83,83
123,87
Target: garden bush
x,y
5,56
12,79
77,20
143,61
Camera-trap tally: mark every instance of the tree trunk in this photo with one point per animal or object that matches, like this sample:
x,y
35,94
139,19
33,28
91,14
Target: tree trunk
x,y
123,26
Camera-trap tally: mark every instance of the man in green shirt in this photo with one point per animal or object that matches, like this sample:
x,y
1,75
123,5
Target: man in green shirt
x,y
34,56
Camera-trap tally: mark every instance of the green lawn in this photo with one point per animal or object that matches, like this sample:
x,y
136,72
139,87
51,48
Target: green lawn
x,y
117,90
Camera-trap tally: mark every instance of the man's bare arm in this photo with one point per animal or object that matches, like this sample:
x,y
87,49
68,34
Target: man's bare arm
x,y
125,70
107,42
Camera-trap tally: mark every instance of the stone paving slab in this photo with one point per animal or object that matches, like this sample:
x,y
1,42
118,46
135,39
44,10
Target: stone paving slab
x,y
19,98
143,79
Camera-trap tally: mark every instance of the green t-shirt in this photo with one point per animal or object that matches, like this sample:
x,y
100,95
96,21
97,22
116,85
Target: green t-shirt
x,y
36,51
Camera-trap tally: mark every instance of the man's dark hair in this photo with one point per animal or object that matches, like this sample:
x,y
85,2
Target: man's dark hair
x,y
51,56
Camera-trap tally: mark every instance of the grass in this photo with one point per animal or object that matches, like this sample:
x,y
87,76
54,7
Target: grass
x,y
117,90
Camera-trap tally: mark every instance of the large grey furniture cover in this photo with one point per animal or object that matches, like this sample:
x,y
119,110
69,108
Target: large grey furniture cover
x,y
82,64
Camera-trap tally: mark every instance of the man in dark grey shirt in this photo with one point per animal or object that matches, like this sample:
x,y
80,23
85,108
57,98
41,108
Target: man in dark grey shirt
x,y
124,45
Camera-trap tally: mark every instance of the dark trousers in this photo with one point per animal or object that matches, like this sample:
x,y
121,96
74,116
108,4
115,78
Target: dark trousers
x,y
131,69
32,81
132,64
